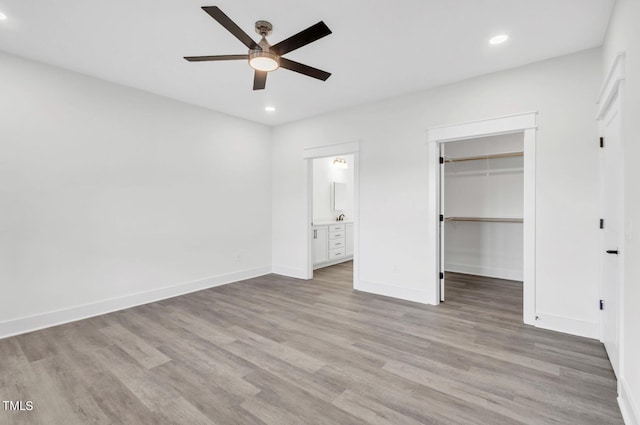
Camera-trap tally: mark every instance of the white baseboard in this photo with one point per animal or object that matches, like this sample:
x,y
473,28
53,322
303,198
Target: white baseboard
x,y
71,314
497,272
568,325
289,272
408,294
628,406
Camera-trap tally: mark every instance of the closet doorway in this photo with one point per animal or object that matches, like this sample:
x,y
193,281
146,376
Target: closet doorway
x,y
481,234
523,125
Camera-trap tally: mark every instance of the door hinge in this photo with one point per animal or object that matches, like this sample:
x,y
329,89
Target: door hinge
x,y
602,142
441,275
601,304
441,217
602,223
441,160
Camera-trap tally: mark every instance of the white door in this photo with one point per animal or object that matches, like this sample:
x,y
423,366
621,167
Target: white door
x,y
442,222
612,197
320,244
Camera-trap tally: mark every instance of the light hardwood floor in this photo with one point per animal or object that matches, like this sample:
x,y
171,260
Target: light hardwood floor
x,y
275,350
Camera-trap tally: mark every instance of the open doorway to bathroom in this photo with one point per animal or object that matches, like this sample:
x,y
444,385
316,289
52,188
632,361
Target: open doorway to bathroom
x,y
333,205
340,164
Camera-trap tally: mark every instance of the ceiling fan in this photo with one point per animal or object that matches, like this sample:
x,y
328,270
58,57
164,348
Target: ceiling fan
x,y
262,56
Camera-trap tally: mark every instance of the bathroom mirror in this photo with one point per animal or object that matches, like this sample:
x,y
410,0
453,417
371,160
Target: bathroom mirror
x,y
339,191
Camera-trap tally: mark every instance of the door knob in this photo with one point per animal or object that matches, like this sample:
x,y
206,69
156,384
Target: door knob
x,y
612,251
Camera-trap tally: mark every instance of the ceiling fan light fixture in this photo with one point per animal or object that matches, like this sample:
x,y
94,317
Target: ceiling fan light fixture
x,y
263,61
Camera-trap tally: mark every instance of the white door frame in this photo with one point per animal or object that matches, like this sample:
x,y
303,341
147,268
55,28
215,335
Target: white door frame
x,y
613,91
519,123
323,152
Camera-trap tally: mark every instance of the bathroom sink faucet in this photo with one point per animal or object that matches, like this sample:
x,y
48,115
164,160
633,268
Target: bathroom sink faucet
x,y
340,217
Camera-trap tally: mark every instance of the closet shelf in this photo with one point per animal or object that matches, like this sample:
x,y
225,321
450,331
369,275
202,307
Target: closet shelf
x,y
476,158
486,219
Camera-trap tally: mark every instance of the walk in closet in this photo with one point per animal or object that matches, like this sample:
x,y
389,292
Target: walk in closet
x,y
482,207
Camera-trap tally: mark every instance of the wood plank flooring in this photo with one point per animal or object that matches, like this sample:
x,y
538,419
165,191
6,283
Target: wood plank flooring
x,y
275,350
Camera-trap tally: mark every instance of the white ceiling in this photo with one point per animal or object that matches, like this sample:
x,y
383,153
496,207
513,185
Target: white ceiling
x,y
378,49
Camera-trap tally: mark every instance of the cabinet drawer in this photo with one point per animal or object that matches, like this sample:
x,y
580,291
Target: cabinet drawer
x,y
337,243
336,227
336,253
336,235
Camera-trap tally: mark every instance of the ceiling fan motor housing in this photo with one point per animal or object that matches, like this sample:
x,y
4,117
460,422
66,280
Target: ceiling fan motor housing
x,y
268,60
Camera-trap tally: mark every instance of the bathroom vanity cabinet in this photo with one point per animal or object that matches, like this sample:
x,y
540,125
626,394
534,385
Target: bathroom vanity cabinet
x,y
332,243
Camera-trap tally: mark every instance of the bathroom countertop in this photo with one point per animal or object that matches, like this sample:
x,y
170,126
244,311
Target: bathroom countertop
x,y
324,223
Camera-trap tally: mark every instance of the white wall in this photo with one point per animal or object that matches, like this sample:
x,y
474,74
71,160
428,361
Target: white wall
x,y
107,192
324,174
485,188
393,181
624,35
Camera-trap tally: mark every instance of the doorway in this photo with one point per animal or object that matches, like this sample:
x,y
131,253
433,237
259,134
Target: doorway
x,y
524,124
332,212
333,217
481,217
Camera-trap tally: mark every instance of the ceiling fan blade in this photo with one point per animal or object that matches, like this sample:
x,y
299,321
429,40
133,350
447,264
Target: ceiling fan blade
x,y
304,37
231,26
259,80
304,69
216,58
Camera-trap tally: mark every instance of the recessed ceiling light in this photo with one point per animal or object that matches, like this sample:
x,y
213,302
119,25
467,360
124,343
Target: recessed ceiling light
x,y
3,17
499,39
270,108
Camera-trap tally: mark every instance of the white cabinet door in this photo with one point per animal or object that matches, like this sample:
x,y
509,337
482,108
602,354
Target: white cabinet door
x,y
320,244
349,241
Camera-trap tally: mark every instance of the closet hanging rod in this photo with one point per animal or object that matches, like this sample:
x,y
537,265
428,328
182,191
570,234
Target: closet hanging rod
x,y
493,156
486,219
